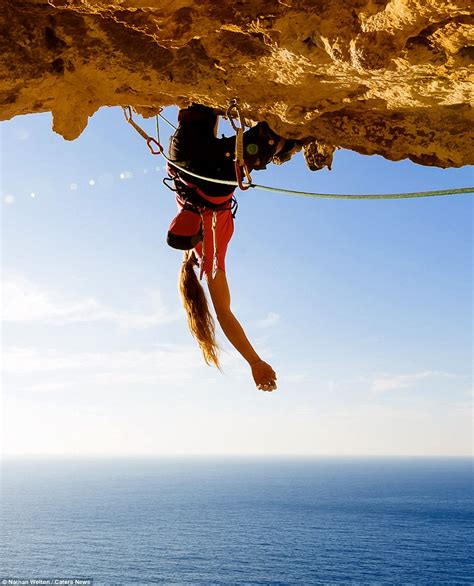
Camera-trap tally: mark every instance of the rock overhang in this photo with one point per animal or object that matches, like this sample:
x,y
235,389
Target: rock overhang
x,y
392,78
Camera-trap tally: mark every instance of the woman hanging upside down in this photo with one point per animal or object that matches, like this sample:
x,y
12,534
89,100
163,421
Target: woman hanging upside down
x,y
205,224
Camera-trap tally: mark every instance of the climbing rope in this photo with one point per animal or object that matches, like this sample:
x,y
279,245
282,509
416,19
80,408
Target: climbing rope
x,y
408,195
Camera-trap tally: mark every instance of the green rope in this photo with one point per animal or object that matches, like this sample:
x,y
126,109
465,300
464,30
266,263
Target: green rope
x,y
456,191
408,195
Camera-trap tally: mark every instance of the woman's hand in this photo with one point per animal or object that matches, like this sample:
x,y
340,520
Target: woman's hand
x,y
264,376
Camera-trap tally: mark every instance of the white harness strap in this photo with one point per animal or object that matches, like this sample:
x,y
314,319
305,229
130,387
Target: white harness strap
x,y
203,256
214,240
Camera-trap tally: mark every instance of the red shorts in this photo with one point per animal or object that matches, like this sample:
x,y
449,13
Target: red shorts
x,y
224,228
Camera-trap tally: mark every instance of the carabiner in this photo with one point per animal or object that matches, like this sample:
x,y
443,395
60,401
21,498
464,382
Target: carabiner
x,y
127,112
234,107
238,173
150,141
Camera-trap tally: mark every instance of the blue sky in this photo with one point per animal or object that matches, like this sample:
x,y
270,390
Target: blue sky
x,y
362,307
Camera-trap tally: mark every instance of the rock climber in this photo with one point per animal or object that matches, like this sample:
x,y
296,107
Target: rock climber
x,y
205,224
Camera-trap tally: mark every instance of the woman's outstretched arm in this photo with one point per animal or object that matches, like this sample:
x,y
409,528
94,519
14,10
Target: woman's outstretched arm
x,y
263,374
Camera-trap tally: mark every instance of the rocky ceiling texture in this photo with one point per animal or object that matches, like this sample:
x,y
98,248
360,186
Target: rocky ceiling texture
x,y
392,78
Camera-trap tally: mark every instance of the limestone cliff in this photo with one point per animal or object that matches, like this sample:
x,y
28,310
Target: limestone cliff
x,y
375,76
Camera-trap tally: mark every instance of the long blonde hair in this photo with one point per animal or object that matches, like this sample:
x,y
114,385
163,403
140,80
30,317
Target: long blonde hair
x,y
200,321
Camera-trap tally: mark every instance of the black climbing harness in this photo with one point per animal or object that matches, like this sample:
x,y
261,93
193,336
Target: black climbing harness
x,y
195,202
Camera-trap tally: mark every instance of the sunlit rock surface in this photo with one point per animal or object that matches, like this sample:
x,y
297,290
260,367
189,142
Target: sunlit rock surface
x,y
390,78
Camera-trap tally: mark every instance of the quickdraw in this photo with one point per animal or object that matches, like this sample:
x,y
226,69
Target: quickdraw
x,y
150,141
237,122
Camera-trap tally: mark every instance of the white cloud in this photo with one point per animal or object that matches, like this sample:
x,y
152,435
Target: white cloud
x,y
79,370
184,410
404,381
269,321
25,301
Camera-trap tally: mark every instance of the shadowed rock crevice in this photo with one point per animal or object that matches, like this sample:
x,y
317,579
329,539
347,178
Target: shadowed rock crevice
x,y
392,78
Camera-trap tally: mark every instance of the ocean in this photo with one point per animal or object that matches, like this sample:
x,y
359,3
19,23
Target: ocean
x,y
238,520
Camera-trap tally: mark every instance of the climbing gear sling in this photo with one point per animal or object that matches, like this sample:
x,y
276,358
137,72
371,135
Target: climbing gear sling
x,y
237,122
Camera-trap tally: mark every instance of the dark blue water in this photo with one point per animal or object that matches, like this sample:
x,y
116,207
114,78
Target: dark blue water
x,y
234,521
